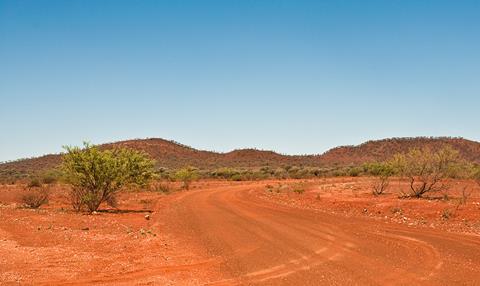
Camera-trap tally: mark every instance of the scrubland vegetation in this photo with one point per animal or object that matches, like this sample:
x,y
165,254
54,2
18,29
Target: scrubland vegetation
x,y
427,171
131,200
97,175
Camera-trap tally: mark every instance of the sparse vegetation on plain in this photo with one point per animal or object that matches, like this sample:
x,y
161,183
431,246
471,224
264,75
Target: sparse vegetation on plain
x,y
342,192
248,164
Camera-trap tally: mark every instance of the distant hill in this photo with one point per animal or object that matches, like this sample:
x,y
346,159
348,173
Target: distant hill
x,y
381,150
170,154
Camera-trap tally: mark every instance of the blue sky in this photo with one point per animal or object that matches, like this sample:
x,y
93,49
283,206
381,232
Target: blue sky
x,y
291,76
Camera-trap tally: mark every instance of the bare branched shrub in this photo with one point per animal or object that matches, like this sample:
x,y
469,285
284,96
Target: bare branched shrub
x,y
35,197
465,196
427,170
382,172
76,198
161,187
447,214
380,186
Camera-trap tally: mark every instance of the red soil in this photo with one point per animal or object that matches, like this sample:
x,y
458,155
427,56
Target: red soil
x,y
223,233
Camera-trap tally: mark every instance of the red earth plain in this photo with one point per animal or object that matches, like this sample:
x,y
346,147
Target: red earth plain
x,y
290,232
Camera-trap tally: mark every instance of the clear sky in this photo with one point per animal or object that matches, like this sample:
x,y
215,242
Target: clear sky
x,y
291,76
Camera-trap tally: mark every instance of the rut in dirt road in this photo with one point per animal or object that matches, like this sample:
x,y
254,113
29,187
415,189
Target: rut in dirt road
x,y
255,242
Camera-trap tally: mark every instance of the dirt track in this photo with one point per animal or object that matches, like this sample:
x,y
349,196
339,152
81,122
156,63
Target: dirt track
x,y
224,233
256,242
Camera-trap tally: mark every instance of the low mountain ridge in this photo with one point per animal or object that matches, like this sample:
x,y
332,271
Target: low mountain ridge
x,y
172,155
380,150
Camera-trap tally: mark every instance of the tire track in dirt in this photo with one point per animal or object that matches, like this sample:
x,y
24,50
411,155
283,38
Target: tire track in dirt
x,y
258,242
247,240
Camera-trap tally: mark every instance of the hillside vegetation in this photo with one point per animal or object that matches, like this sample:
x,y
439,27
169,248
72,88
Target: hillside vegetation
x,y
172,155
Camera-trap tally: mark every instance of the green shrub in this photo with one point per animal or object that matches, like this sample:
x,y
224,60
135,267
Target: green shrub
x,y
354,172
51,176
49,180
96,175
227,173
34,183
339,173
236,177
280,173
186,176
267,171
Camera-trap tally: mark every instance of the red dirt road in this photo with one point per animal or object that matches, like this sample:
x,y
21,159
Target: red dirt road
x,y
224,233
254,242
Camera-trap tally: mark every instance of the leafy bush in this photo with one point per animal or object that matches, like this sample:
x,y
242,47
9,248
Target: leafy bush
x,y
339,173
186,176
49,180
236,177
354,172
164,173
50,177
226,173
35,197
96,176
293,172
280,173
34,183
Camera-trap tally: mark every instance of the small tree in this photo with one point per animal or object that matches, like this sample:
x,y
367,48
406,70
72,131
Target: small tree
x,y
383,172
97,175
427,170
186,176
